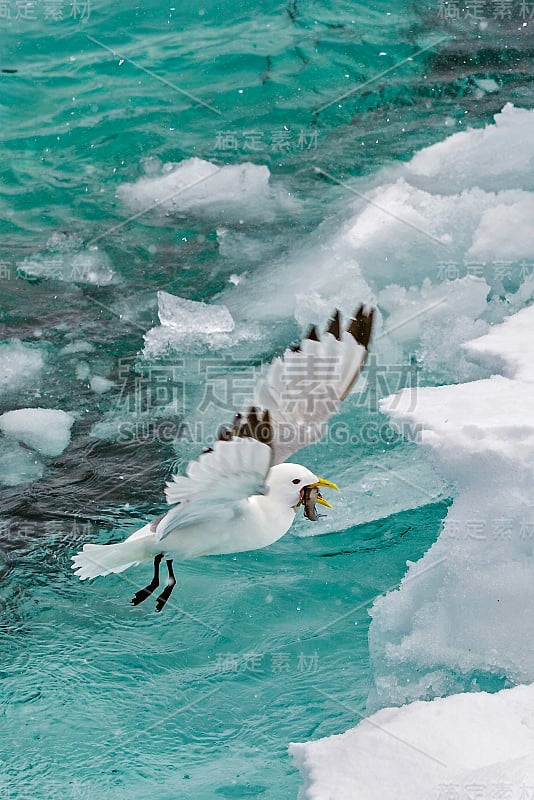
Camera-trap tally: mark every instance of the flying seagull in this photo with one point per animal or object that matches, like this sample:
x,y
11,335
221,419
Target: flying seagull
x,y
240,495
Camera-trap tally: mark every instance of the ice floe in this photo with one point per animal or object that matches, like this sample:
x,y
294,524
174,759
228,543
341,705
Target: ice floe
x,y
461,617
43,429
465,608
459,207
498,156
230,193
462,747
188,316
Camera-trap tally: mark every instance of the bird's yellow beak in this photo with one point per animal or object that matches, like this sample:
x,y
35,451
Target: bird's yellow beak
x,y
328,484
320,499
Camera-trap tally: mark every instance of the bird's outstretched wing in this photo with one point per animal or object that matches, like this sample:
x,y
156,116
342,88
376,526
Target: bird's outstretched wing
x,y
299,394
215,483
304,387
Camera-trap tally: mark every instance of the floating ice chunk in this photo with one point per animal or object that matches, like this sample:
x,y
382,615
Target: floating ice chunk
x,y
188,316
163,340
499,156
66,258
235,279
193,325
487,85
79,346
17,464
83,371
466,606
100,385
231,193
44,429
450,747
21,366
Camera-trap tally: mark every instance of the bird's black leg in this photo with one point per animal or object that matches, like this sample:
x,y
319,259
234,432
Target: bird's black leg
x,y
142,594
166,593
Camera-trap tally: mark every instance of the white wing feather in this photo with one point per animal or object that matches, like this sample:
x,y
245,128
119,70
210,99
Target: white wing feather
x,y
303,389
214,485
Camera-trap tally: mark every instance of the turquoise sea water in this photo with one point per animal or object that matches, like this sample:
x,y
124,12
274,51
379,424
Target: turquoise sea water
x,y
254,651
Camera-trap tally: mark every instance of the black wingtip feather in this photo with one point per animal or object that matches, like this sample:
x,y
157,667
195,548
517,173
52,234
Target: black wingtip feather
x,y
334,325
256,425
361,326
312,334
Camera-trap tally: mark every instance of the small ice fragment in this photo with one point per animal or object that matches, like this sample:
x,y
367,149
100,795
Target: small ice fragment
x,y
487,84
44,429
66,258
188,316
83,371
20,366
79,346
17,464
100,385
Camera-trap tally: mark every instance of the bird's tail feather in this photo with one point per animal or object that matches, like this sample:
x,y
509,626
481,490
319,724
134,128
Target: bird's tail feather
x,y
103,559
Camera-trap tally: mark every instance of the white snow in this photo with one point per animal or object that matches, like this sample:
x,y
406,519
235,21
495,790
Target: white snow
x,y
467,605
506,347
495,157
230,193
505,230
21,366
465,747
43,429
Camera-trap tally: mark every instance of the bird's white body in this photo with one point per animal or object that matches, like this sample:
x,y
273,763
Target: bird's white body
x,y
250,524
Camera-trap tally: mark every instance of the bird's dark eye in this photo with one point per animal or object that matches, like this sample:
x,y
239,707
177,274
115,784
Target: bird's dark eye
x,y
295,480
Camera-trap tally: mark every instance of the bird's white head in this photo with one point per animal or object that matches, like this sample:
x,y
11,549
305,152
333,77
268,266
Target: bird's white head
x,y
288,482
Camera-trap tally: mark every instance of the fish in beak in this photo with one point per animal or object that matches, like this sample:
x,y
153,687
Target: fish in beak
x,y
311,495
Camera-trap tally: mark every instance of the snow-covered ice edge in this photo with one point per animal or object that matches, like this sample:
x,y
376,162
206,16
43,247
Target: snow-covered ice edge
x,y
465,608
467,746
